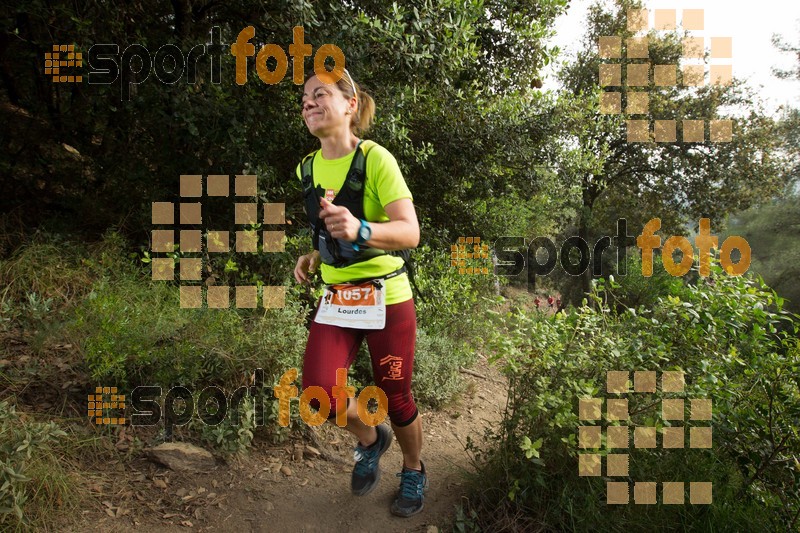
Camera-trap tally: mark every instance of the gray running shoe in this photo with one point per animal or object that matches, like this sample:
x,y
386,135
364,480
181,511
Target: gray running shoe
x,y
366,472
412,488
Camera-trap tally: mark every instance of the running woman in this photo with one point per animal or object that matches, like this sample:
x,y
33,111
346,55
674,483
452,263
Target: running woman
x,y
360,208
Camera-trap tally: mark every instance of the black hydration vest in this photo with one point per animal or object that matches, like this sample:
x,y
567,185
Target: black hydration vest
x,y
338,252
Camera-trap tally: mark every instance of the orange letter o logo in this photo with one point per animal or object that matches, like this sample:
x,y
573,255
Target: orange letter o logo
x,y
372,419
316,393
323,52
734,241
271,76
686,261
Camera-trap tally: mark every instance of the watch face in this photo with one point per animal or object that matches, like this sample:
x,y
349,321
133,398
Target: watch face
x,y
364,232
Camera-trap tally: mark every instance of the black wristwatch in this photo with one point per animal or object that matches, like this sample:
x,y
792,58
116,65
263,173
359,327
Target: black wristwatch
x,y
364,234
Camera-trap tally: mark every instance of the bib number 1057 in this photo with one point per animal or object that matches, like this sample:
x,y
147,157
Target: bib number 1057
x,y
354,294
354,306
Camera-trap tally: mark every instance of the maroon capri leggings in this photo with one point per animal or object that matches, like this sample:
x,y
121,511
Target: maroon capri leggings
x,y
391,350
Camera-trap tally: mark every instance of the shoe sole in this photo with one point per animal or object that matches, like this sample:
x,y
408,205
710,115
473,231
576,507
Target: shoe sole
x,y
403,515
421,507
372,487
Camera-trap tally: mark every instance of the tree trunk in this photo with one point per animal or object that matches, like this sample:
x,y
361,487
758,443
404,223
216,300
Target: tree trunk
x,y
589,195
583,233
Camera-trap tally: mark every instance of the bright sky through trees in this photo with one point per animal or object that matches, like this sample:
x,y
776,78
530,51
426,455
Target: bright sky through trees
x,y
751,25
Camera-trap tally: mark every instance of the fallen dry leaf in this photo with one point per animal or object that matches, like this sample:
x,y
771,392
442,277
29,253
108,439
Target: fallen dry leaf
x,y
311,451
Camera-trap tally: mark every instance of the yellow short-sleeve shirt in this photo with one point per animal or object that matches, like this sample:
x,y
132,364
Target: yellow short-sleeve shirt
x,y
384,185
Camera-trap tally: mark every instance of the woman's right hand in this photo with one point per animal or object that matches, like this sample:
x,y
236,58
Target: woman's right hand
x,y
306,264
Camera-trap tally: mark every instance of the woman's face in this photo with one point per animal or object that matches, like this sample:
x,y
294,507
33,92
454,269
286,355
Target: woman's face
x,y
325,109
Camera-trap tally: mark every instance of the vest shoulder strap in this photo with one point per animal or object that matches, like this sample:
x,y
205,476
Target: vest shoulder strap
x,y
307,168
366,146
359,162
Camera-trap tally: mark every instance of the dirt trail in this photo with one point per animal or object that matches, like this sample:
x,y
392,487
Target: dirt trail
x,y
274,489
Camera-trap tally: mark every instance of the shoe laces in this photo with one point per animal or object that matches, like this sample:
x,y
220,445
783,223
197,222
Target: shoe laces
x,y
366,459
412,484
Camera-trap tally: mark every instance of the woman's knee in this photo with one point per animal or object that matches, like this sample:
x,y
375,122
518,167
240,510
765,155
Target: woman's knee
x,y
402,409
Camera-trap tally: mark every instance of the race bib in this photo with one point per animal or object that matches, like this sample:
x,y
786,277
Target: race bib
x,y
359,306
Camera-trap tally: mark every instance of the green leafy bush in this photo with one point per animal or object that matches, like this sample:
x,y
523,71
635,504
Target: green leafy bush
x,y
234,433
736,346
436,368
133,332
635,290
451,303
20,441
128,330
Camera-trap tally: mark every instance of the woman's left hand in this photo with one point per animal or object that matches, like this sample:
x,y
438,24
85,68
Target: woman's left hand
x,y
339,221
